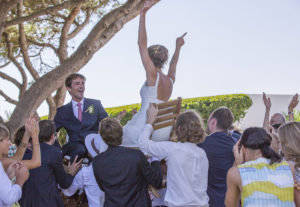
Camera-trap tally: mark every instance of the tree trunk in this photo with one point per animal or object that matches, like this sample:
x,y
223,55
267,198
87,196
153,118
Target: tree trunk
x,y
102,32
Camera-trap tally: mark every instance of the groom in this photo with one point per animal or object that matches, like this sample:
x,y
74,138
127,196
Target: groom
x,y
80,117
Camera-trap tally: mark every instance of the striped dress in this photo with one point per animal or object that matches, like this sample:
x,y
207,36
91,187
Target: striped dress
x,y
267,185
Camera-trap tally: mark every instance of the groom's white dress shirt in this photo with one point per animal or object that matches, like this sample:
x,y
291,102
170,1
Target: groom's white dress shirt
x,y
187,171
85,179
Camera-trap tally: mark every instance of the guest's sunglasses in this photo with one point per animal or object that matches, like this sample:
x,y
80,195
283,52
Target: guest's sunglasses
x,y
276,126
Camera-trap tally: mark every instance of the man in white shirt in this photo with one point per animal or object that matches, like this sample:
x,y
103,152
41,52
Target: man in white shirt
x,y
187,163
85,179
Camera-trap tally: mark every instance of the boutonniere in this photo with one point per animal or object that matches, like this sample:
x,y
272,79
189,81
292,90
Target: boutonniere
x,y
90,109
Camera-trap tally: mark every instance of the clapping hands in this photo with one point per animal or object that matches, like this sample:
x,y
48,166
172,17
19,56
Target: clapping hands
x,y
32,127
19,170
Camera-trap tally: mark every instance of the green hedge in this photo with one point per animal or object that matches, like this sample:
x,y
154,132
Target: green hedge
x,y
238,103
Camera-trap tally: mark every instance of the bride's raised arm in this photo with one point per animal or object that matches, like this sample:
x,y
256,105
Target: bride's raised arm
x,y
142,42
174,60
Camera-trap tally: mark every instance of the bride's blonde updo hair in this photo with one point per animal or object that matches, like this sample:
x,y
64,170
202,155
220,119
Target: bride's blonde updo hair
x,y
158,54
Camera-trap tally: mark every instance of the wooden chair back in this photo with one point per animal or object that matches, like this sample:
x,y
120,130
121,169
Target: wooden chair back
x,y
167,113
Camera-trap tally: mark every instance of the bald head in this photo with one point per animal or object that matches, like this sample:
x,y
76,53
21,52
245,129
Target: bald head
x,y
277,118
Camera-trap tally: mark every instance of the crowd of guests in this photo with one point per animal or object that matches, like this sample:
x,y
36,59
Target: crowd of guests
x,y
224,168
209,165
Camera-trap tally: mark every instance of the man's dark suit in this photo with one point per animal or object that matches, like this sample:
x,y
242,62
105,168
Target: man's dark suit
x,y
218,148
78,130
124,174
41,187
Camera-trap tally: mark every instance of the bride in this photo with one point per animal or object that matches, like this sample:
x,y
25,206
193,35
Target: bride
x,y
157,87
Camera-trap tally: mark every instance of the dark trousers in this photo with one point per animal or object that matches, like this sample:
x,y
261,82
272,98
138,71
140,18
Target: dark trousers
x,y
74,149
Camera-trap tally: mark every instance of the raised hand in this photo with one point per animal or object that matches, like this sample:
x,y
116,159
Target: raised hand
x,y
238,154
152,113
32,127
121,115
74,167
180,40
147,5
267,101
294,102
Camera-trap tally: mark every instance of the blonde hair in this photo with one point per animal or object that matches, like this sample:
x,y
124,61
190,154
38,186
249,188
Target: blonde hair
x,y
289,135
4,132
189,127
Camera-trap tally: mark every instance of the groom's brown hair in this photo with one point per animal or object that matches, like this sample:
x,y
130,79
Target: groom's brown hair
x,y
71,77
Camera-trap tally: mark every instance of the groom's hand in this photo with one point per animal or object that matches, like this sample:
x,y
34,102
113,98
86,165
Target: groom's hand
x,y
152,113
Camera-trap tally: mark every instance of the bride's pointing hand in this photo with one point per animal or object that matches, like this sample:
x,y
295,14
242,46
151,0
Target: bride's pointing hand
x,y
180,40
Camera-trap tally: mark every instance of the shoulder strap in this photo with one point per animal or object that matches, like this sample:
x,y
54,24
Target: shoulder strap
x,y
157,79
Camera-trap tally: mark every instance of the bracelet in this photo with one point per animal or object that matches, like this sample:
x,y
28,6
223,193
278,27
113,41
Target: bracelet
x,y
22,144
290,112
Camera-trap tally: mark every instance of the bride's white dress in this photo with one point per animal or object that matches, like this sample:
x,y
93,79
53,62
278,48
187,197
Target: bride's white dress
x,y
134,127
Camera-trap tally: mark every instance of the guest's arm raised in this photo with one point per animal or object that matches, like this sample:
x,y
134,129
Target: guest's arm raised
x,y
174,60
142,42
233,190
31,130
294,102
267,102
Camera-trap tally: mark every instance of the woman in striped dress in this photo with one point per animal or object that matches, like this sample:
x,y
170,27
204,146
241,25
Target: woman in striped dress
x,y
259,177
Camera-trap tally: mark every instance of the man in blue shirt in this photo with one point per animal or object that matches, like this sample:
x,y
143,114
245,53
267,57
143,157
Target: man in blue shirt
x,y
218,147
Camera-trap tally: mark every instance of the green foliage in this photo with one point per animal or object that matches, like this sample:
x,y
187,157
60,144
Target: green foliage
x,y
238,104
296,116
62,132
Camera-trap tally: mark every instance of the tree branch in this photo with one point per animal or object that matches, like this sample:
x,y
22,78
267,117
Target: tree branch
x,y
5,7
24,47
4,65
68,4
43,45
18,65
80,26
62,50
7,98
10,79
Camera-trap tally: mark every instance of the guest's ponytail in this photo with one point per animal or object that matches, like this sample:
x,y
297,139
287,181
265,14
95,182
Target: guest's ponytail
x,y
269,153
258,138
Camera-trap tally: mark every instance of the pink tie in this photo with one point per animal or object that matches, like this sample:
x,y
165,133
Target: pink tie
x,y
79,111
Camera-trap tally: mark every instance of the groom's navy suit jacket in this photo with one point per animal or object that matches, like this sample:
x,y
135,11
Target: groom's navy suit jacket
x,y
78,130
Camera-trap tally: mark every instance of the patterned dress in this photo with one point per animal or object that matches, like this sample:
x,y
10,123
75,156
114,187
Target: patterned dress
x,y
267,185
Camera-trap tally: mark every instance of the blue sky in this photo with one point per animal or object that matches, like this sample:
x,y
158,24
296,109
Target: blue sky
x,y
232,46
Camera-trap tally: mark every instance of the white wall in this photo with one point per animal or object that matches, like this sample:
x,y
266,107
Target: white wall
x,y
255,114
